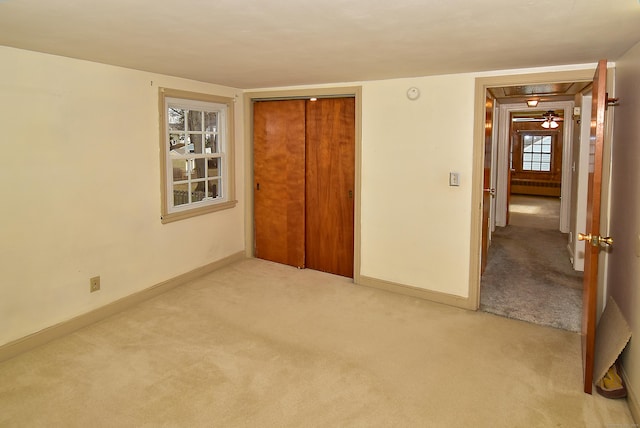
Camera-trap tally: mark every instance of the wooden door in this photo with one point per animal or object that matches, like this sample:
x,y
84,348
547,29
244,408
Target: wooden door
x,y
279,181
594,191
330,181
486,181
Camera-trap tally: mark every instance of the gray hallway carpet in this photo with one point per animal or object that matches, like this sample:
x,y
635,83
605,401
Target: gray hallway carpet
x,y
529,277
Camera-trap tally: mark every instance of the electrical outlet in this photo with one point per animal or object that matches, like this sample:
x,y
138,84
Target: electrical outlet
x,y
94,284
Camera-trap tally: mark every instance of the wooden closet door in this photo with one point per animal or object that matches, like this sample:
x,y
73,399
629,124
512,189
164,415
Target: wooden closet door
x,y
279,181
330,180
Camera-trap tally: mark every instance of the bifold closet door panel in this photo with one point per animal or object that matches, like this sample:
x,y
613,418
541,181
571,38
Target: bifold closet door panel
x,y
279,181
330,181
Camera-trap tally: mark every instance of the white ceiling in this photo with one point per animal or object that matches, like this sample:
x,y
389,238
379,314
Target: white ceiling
x,y
267,43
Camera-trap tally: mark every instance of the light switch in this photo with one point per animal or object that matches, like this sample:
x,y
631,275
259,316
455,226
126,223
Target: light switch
x,y
454,179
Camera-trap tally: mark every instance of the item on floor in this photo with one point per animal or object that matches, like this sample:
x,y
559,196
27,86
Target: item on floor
x,y
612,385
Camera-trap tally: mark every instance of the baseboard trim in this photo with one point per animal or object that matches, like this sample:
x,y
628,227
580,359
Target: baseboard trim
x,y
16,347
434,296
632,398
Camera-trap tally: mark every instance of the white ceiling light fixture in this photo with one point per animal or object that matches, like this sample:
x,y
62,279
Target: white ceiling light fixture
x,y
532,103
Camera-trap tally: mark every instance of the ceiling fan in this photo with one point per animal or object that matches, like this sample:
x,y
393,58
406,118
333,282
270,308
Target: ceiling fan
x,y
550,120
537,117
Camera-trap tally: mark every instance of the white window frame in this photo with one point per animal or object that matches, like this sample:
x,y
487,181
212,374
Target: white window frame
x,y
223,106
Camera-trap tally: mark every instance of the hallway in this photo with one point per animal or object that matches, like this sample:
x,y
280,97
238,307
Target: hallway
x,y
529,276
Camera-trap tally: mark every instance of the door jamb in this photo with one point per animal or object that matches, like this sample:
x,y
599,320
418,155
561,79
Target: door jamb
x,y
285,94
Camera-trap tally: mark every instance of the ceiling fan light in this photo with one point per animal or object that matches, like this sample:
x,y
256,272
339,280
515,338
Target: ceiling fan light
x,y
532,103
553,124
546,124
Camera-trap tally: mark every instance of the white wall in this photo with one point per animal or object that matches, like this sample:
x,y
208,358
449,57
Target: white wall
x,y
624,261
79,179
415,227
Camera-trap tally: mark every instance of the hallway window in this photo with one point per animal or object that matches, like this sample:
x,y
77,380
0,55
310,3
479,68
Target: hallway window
x,y
536,152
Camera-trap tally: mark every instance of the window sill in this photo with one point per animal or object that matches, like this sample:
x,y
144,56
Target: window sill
x,y
171,217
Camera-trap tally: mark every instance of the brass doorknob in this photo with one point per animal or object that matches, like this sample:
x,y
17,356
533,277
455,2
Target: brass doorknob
x,y
596,240
607,241
492,192
584,237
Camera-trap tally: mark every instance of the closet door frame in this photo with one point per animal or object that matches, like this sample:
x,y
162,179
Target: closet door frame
x,y
249,98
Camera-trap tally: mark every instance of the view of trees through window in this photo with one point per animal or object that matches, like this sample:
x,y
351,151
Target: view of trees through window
x,y
194,153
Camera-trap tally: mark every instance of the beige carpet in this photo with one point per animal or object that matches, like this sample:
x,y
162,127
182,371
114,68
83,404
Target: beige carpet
x,y
540,212
264,345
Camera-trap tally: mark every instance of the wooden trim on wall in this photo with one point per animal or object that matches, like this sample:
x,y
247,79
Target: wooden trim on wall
x,y
64,328
407,290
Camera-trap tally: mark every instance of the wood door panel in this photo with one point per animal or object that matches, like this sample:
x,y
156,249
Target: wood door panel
x,y
486,182
279,189
330,182
594,194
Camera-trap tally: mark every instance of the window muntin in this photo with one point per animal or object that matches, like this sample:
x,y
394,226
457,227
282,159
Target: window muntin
x,y
536,152
195,156
197,149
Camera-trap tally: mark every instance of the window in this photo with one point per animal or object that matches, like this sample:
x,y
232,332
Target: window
x,y
196,152
536,152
